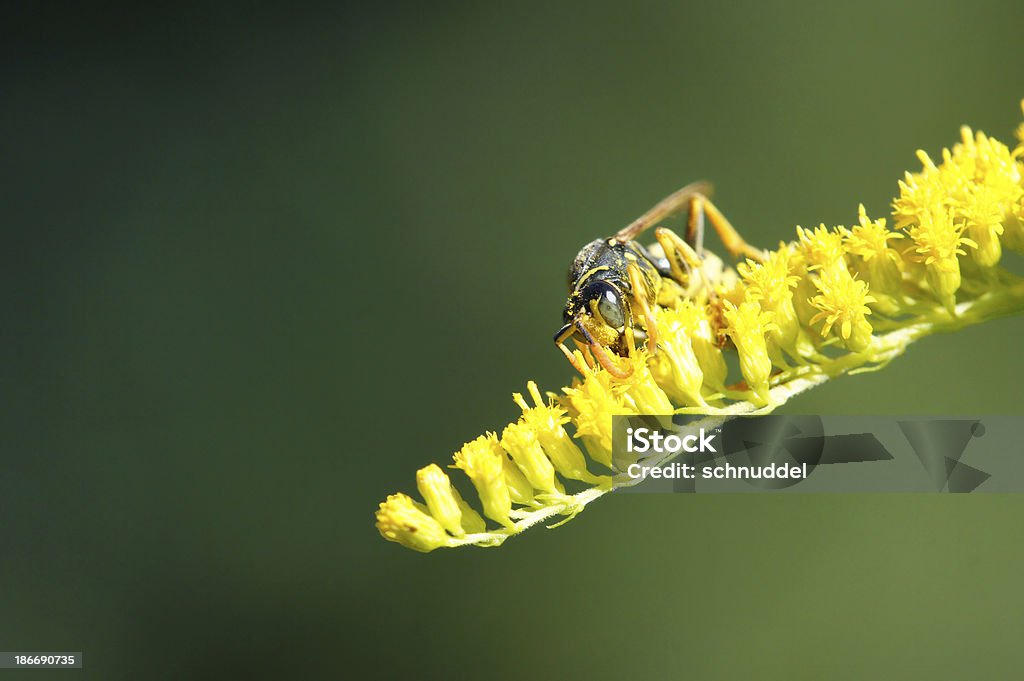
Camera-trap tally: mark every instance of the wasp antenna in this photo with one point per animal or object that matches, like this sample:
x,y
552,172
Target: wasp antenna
x,y
652,332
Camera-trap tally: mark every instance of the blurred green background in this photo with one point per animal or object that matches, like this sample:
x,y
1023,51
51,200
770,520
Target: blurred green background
x,y
260,265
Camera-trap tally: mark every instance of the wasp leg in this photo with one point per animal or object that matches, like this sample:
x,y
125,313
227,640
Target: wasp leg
x,y
695,197
678,251
636,282
667,207
679,255
596,349
584,349
695,225
656,258
700,206
603,358
573,359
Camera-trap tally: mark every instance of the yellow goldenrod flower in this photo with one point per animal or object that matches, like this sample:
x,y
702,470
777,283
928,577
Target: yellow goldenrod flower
x,y
984,217
821,247
521,442
591,404
483,461
981,161
771,283
747,326
436,489
1013,228
402,520
642,393
676,365
937,243
696,323
875,261
919,192
870,241
843,302
547,422
520,491
808,300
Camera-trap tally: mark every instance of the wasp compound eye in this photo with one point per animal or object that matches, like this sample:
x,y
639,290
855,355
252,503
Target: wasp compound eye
x,y
606,299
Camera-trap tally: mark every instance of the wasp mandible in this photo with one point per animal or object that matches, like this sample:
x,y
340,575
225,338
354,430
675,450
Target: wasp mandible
x,y
614,282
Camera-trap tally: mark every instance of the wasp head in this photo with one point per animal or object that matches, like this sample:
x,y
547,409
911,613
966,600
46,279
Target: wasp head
x,y
596,315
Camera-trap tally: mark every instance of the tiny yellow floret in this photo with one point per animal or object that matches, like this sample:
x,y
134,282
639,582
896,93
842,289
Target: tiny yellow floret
x,y
821,247
483,461
402,520
547,421
520,441
436,489
843,301
592,403
747,326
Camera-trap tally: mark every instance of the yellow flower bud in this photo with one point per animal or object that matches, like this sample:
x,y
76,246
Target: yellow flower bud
x,y
1013,234
400,519
519,488
436,489
472,522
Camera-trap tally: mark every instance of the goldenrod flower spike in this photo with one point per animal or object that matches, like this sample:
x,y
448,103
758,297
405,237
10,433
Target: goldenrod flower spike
x,y
795,320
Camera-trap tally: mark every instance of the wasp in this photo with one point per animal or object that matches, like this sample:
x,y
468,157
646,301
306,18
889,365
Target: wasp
x,y
614,282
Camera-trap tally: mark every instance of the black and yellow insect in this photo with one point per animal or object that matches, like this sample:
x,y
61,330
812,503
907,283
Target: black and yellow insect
x,y
614,282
